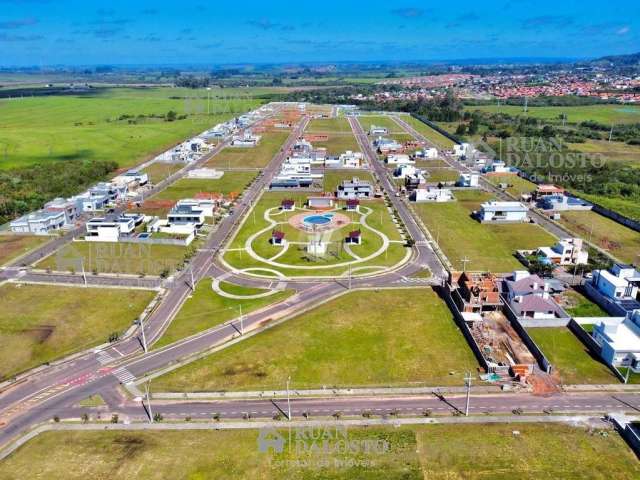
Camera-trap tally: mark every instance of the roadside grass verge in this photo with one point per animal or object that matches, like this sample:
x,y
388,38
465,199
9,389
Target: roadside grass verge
x,y
256,157
13,246
39,323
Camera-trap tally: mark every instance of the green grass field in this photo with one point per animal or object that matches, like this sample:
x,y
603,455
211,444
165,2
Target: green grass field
x,y
158,171
329,125
37,129
206,309
230,183
615,151
435,452
380,121
571,358
436,138
257,157
516,185
606,114
628,208
617,239
13,246
442,175
488,247
339,143
112,257
386,337
39,323
577,305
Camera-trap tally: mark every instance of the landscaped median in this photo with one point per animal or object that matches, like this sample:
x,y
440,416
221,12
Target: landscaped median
x,y
410,452
206,309
401,337
40,323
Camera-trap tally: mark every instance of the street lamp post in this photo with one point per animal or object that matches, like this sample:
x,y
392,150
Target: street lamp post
x,y
288,400
467,379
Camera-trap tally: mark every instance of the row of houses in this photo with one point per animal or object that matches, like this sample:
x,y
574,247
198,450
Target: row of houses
x,y
63,213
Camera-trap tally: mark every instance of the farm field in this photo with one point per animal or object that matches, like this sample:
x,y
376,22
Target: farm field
x,y
384,337
606,114
516,185
615,151
206,309
257,157
414,453
116,257
620,241
573,362
110,124
39,323
488,247
439,140
13,246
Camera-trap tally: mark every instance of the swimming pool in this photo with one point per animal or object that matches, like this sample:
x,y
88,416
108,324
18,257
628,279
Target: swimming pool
x,y
318,219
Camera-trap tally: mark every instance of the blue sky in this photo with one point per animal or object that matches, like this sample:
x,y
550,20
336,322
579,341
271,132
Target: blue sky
x,y
47,32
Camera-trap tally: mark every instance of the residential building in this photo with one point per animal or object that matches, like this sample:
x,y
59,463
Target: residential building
x,y
103,229
498,166
431,194
468,180
476,292
40,222
545,190
620,282
182,214
132,179
376,130
619,339
69,208
427,153
461,149
568,251
415,181
354,188
496,211
207,205
387,145
351,159
529,297
398,159
563,203
405,170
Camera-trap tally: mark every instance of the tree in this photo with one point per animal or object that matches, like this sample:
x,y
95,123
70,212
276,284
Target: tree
x,y
171,116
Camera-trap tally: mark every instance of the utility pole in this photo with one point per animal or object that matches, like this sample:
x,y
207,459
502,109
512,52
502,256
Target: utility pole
x,y
467,379
193,285
208,99
611,132
146,388
464,261
144,336
84,275
349,276
241,321
626,378
288,399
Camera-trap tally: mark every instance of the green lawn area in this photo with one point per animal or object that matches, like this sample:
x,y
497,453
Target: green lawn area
x,y
296,255
338,143
231,182
628,208
380,121
257,157
437,175
327,125
617,239
206,309
333,178
488,247
606,114
577,305
98,126
516,185
158,171
116,257
386,337
39,323
471,452
13,246
435,137
571,358
616,151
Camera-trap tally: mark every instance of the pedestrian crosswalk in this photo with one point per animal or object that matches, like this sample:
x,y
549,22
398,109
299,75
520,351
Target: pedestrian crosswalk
x,y
124,375
425,281
104,357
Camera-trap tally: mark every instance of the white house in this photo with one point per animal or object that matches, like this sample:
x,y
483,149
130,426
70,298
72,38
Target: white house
x,y
351,159
187,213
404,170
399,159
620,340
620,282
498,166
132,179
386,145
461,149
40,223
100,229
495,211
246,140
468,180
568,251
354,188
427,153
377,130
207,205
431,194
